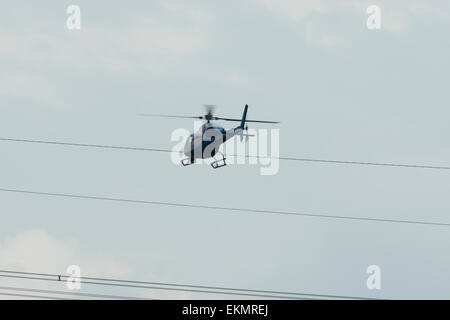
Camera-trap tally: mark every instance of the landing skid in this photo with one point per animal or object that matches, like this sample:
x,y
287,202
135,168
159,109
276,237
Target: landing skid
x,y
187,162
218,163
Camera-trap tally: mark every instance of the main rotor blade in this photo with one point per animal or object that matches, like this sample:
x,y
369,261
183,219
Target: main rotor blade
x,y
262,121
167,116
209,111
210,108
239,120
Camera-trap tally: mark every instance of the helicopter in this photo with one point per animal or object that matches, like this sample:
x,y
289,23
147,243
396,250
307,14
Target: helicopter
x,y
205,143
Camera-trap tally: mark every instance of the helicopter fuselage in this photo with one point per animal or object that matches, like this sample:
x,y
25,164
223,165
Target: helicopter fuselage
x,y
206,142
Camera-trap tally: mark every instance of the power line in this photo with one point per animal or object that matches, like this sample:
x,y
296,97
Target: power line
x,y
159,288
380,164
328,161
165,284
87,145
80,294
174,286
232,209
19,295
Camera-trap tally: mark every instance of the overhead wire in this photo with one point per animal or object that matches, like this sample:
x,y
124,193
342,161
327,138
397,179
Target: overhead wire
x,y
21,295
221,208
300,159
189,288
173,286
158,288
73,293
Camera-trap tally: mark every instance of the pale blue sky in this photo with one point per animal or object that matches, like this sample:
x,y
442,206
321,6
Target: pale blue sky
x,y
341,92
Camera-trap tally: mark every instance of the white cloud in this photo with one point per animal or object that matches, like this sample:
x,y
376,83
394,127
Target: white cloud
x,y
295,9
315,36
299,10
28,86
237,78
38,251
396,16
146,44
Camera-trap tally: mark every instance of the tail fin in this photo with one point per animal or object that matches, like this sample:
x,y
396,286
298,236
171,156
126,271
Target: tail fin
x,y
244,116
